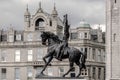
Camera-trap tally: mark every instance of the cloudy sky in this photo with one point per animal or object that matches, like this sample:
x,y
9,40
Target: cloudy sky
x,y
91,11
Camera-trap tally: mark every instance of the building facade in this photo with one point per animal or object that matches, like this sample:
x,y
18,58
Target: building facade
x,y
112,39
21,52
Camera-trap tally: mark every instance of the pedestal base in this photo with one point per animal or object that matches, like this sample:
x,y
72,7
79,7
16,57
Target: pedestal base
x,y
59,78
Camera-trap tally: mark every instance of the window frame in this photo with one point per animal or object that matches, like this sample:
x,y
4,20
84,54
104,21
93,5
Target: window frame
x,y
18,54
30,55
3,74
18,37
17,74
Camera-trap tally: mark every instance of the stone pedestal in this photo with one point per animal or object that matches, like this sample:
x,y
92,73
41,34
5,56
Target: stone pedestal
x,y
59,78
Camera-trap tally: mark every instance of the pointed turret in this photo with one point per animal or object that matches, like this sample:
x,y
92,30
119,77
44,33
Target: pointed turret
x,y
40,10
27,13
27,17
54,12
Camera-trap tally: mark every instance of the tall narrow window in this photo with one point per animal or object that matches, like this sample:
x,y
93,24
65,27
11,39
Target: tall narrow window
x,y
50,23
86,51
17,74
29,73
18,37
39,54
114,37
85,35
30,37
17,55
93,54
38,36
50,71
115,1
104,55
3,56
3,74
38,69
99,55
3,37
80,35
30,55
99,73
93,73
61,71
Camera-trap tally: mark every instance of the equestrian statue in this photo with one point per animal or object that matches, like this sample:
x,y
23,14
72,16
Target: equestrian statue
x,y
60,50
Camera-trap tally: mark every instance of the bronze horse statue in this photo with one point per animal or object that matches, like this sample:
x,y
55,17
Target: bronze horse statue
x,y
74,55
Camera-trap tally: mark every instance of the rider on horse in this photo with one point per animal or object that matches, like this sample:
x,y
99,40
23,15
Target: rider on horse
x,y
64,44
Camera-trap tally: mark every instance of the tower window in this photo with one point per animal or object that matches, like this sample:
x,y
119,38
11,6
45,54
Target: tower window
x,y
50,23
115,1
85,35
114,37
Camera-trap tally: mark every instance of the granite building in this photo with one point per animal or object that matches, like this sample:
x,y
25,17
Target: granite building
x,y
113,39
21,52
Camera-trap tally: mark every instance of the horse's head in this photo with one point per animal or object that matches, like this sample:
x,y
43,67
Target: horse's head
x,y
51,37
44,37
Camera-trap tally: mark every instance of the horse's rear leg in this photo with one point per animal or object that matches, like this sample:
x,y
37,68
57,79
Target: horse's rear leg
x,y
47,63
80,68
71,68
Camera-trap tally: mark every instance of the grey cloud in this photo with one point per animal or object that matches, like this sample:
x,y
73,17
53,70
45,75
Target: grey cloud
x,y
93,11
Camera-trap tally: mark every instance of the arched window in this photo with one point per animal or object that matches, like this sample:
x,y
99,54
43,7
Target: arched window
x,y
39,23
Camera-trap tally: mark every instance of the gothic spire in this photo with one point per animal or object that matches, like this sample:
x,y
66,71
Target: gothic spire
x,y
27,8
39,5
54,12
27,11
54,7
40,8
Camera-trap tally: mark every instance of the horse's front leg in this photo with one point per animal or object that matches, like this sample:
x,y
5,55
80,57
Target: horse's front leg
x,y
47,63
46,56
